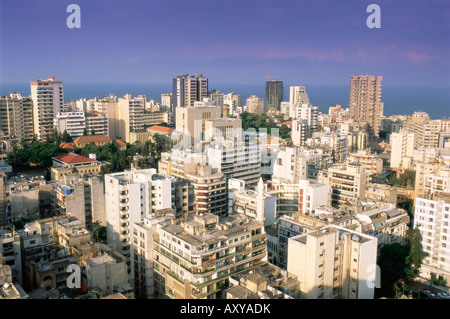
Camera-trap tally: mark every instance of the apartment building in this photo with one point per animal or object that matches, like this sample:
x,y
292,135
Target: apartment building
x,y
254,105
387,223
402,148
347,183
334,263
81,197
432,218
16,116
194,259
371,162
143,254
290,166
48,100
97,123
235,159
72,122
188,89
129,198
264,281
437,182
365,101
129,116
273,95
107,273
312,195
381,193
209,188
252,203
297,97
167,101
308,114
11,252
190,121
292,225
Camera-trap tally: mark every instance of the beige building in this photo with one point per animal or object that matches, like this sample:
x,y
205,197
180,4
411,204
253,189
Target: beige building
x,y
67,164
371,162
365,101
265,281
347,182
194,259
334,263
381,193
81,197
255,105
48,100
16,117
191,121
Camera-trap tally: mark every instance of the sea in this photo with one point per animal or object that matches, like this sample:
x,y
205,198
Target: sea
x,y
397,100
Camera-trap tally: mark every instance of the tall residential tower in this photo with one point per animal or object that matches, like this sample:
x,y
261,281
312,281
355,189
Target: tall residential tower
x,y
365,101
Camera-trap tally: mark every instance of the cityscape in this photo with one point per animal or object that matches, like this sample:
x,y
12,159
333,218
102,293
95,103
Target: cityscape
x,y
203,194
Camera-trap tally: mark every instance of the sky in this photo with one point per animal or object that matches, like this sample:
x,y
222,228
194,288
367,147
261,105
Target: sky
x,y
320,42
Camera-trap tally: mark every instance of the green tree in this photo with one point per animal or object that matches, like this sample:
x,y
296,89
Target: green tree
x,y
392,262
85,133
417,254
285,131
23,143
92,132
66,138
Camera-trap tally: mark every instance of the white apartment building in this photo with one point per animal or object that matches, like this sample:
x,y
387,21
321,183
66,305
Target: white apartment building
x,y
432,218
334,263
290,166
236,160
312,195
437,182
402,148
48,101
308,114
255,204
142,255
299,133
167,100
129,198
297,97
72,122
97,122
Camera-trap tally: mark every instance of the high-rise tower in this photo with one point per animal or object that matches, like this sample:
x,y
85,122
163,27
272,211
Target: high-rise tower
x,y
365,101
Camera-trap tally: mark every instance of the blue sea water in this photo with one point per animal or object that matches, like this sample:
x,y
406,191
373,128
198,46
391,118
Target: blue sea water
x,y
397,100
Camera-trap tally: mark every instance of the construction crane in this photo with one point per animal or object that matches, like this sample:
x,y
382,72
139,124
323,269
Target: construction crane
x,y
270,76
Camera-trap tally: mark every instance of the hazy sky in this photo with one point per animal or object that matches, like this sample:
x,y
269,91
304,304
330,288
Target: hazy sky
x,y
229,41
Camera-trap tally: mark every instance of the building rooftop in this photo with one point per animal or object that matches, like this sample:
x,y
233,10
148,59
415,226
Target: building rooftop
x,y
161,129
72,158
92,139
67,146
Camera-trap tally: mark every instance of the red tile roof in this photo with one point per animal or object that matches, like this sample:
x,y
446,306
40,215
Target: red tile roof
x,y
160,128
67,146
119,142
73,158
92,139
285,123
